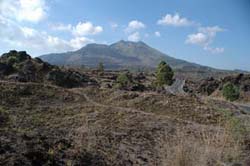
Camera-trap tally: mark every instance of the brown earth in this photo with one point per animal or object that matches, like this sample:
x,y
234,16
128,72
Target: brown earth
x,y
49,125
52,115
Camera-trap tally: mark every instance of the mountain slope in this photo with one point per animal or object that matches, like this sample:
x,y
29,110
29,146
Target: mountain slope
x,y
119,55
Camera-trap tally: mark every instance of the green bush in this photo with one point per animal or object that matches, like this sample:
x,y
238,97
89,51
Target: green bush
x,y
14,57
164,74
230,92
124,80
12,60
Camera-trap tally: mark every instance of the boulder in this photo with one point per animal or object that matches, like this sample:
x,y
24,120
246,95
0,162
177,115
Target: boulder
x,y
5,69
203,87
233,79
17,77
240,80
208,86
67,79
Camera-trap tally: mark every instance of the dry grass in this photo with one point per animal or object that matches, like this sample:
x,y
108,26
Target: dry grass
x,y
103,132
212,148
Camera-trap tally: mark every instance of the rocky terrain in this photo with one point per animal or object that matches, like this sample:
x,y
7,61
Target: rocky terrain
x,y
51,115
19,66
213,87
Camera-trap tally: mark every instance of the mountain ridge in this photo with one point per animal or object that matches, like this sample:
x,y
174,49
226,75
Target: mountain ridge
x,y
124,55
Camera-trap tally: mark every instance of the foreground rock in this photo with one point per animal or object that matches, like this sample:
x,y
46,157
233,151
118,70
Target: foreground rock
x,y
19,66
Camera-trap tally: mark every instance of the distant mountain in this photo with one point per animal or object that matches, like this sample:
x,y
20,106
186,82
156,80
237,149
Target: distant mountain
x,y
122,54
132,56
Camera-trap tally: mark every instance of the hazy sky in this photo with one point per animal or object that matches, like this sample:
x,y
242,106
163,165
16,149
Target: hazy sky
x,y
209,32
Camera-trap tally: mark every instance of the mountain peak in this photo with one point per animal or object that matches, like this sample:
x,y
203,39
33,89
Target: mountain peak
x,y
93,46
121,41
122,54
129,43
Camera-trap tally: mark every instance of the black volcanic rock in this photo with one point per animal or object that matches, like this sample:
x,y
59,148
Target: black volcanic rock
x,y
5,69
208,86
67,79
19,66
240,80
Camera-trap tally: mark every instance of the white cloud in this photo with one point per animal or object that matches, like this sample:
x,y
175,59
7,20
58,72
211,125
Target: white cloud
x,y
205,37
79,42
134,25
211,31
135,37
81,29
132,29
86,28
174,20
14,32
61,27
198,38
157,34
23,10
215,50
25,38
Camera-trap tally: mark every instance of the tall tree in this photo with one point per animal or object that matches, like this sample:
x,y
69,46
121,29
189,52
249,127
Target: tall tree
x,y
164,74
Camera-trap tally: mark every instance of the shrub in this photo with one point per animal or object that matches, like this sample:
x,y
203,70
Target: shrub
x,y
164,74
100,67
124,80
12,60
14,57
230,92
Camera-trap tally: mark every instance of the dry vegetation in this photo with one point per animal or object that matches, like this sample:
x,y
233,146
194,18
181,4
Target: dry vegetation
x,y
96,122
49,125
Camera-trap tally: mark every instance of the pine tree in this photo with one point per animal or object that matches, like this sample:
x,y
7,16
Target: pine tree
x,y
164,74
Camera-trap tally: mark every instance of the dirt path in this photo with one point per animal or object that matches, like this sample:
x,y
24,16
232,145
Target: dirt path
x,y
76,91
131,110
79,92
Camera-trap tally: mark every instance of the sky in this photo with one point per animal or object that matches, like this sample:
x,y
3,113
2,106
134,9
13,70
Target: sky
x,y
214,33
